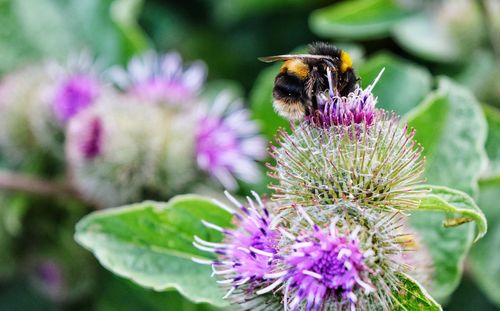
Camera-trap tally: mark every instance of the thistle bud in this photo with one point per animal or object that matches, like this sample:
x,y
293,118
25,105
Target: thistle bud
x,y
119,149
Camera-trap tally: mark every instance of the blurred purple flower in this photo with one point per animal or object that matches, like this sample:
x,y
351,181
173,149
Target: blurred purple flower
x,y
50,278
86,134
163,79
74,94
91,144
48,272
227,143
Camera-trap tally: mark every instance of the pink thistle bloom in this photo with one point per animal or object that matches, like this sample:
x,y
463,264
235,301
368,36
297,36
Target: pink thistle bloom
x,y
248,253
227,143
356,108
164,79
325,265
75,93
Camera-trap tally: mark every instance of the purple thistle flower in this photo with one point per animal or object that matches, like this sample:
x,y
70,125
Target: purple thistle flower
x,y
357,108
227,143
164,79
325,265
348,259
249,251
74,94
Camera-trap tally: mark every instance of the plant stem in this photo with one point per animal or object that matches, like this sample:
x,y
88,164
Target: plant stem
x,y
33,185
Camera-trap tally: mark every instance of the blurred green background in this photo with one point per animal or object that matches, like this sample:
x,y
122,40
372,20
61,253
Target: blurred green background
x,y
416,41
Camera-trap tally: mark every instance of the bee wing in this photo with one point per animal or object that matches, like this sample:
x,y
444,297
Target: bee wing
x,y
270,59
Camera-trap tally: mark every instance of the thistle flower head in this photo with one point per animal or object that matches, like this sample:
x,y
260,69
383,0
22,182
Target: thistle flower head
x,y
76,86
349,151
325,257
112,156
326,263
248,252
74,94
227,142
161,78
335,110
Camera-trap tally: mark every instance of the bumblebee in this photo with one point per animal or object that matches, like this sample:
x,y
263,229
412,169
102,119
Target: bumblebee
x,y
303,76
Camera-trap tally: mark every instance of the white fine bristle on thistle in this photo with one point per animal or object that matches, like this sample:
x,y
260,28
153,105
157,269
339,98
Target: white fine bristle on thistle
x,y
242,281
302,245
222,272
243,249
204,248
304,214
232,199
355,232
333,228
212,226
375,81
227,281
366,286
275,275
257,198
202,261
223,206
229,292
287,234
250,202
313,274
211,244
344,252
261,252
270,287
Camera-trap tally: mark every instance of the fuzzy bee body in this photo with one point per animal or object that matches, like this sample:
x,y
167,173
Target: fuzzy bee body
x,y
303,76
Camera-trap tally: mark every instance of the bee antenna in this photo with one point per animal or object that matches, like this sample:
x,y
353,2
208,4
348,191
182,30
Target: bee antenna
x,y
371,86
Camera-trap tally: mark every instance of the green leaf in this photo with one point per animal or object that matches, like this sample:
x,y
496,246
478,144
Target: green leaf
x,y
358,19
492,142
412,296
403,84
261,102
447,246
452,129
45,25
485,255
33,30
151,244
113,290
423,36
454,202
444,32
125,13
478,73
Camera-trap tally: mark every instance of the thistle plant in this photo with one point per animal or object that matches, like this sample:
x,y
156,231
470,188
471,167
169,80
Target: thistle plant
x,y
332,237
347,226
348,150
157,136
